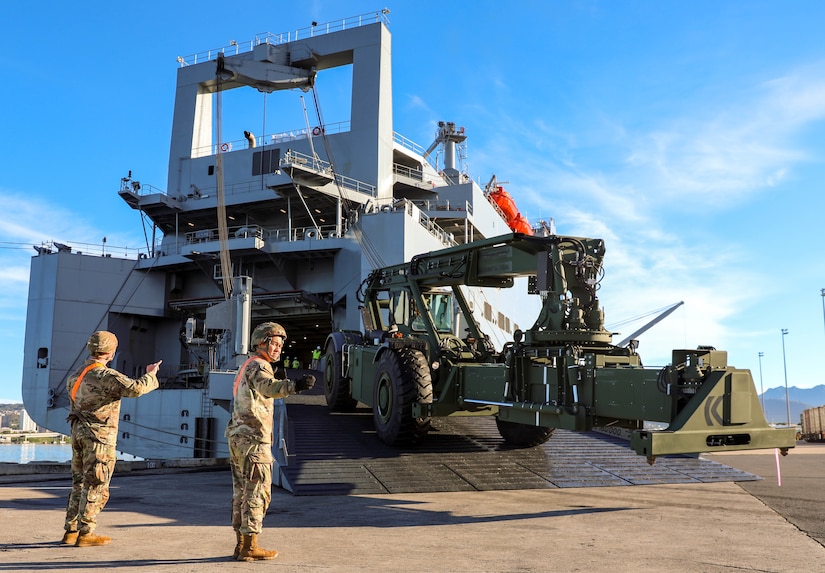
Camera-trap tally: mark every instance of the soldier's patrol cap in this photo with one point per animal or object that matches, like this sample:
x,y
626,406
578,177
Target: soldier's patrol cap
x,y
102,342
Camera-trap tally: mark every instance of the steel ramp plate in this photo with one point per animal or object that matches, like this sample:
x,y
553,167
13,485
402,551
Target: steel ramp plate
x,y
334,453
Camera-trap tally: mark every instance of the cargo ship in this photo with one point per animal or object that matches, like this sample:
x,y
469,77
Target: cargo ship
x,y
280,225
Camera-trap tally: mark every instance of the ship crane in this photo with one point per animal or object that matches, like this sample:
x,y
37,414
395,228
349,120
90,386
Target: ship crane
x,y
448,136
658,318
264,76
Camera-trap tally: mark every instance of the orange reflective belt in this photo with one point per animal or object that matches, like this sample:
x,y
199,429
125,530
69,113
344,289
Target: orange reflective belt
x,y
80,378
240,374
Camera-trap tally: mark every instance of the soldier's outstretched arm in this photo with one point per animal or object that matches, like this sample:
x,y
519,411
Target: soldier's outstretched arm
x,y
132,388
153,368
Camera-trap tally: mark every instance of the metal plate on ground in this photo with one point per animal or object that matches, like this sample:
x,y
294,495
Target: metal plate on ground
x,y
339,453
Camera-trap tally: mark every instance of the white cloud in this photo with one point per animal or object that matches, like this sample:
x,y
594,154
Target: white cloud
x,y
34,220
28,220
734,148
14,275
25,221
417,102
798,97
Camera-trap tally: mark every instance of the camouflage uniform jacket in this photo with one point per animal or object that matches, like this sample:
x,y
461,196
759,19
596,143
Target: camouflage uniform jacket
x,y
255,391
97,402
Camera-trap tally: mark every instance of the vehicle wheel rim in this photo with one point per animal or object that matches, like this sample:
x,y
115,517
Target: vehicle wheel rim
x,y
329,375
383,401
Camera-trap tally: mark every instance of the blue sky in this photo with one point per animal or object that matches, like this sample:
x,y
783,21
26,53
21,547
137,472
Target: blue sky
x,y
689,135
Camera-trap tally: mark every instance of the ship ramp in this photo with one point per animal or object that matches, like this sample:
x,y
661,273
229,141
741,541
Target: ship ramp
x,y
338,453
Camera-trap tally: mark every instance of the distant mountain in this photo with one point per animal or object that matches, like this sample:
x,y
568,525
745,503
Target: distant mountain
x,y
776,412
776,409
814,396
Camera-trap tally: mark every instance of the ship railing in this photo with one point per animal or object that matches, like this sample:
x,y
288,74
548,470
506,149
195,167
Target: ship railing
x,y
408,143
137,188
276,39
271,138
249,186
270,235
429,223
255,185
495,206
355,185
459,207
194,192
309,233
411,145
102,249
207,235
306,161
416,174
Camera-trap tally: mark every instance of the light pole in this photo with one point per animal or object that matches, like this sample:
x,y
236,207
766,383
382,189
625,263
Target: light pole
x,y
785,366
822,291
761,386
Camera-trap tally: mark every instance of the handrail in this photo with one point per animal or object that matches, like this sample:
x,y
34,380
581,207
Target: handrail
x,y
292,157
412,210
444,205
320,232
408,172
276,39
271,138
136,187
408,143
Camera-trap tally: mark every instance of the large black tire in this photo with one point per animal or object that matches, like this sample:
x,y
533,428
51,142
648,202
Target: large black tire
x,y
402,379
522,435
336,387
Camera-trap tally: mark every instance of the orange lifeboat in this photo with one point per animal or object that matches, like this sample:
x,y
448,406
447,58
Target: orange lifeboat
x,y
521,225
505,202
514,219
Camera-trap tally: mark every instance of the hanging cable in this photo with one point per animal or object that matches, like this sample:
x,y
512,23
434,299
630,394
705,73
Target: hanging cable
x,y
346,202
303,201
367,247
223,231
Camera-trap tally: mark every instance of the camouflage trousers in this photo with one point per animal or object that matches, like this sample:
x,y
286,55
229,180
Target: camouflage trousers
x,y
251,464
92,466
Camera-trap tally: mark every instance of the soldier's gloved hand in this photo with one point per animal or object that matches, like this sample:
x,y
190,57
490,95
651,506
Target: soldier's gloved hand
x,y
305,382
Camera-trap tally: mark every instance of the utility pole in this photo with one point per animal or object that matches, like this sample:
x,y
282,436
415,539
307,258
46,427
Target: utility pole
x,y
785,365
761,386
822,291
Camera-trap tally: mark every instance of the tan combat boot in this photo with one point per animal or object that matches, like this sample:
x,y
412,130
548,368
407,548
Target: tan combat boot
x,y
238,544
90,540
70,537
250,550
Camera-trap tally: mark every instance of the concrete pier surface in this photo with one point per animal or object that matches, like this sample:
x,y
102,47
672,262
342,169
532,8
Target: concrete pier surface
x,y
177,520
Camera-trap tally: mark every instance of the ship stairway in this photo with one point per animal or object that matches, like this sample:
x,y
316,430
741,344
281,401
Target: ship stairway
x,y
334,453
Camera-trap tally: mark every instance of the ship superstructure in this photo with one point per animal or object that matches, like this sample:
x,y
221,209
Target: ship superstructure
x,y
279,225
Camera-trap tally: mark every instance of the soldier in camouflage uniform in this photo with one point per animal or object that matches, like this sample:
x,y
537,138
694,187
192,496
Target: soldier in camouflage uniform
x,y
95,392
250,436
